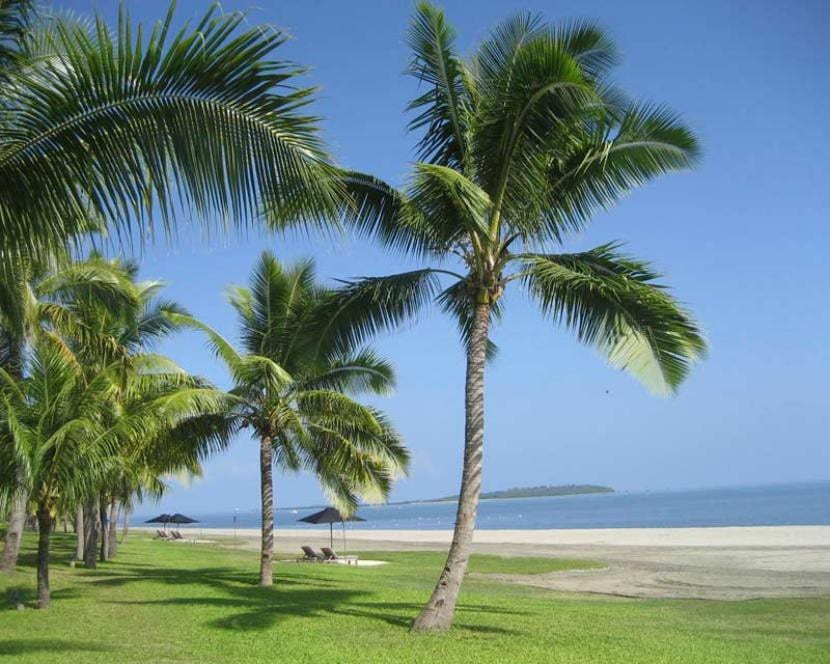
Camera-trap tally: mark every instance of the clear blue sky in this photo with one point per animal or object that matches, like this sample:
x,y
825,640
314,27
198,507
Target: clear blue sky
x,y
742,240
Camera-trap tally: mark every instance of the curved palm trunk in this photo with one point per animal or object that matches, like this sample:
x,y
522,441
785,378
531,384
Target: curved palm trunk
x,y
439,611
44,522
267,489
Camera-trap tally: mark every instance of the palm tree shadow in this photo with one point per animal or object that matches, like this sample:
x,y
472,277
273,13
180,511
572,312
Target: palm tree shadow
x,y
402,614
250,607
253,607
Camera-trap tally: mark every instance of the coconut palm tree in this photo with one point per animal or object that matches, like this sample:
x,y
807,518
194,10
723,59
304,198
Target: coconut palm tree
x,y
125,125
68,428
40,298
297,364
520,146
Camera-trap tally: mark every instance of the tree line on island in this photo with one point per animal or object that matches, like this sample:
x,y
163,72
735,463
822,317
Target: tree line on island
x,y
109,135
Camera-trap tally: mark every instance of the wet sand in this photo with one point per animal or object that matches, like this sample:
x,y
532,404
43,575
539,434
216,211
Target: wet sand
x,y
702,563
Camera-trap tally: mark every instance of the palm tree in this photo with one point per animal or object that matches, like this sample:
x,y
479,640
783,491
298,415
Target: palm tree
x,y
298,361
68,427
519,147
106,129
124,125
40,298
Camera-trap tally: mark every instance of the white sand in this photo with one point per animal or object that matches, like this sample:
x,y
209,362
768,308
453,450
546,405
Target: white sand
x,y
754,536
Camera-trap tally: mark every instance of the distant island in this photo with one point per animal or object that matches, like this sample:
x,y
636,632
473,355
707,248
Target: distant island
x,y
518,492
535,492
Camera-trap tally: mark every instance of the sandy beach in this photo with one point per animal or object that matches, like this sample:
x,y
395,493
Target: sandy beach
x,y
732,563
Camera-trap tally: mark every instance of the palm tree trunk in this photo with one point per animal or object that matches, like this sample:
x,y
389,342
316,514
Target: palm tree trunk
x,y
79,533
439,611
105,540
126,529
17,516
92,526
112,529
44,521
17,519
267,488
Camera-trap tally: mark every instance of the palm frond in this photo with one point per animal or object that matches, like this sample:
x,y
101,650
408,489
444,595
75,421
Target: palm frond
x,y
364,371
614,303
15,21
361,308
220,346
589,45
539,88
605,160
443,109
127,126
379,211
456,207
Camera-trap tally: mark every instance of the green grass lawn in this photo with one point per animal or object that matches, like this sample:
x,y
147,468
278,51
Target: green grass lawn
x,y
164,602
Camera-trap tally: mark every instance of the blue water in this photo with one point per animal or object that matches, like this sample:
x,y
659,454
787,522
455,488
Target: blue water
x,y
802,504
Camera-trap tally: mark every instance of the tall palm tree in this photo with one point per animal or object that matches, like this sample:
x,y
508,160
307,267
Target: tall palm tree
x,y
68,427
40,298
519,147
125,125
298,362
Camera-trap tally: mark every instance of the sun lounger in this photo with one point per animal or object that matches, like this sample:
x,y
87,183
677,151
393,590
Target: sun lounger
x,y
310,555
177,535
160,534
331,557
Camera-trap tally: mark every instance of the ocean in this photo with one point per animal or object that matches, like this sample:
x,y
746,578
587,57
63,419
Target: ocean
x,y
779,505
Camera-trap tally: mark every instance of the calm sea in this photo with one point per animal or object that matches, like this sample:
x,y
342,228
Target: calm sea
x,y
801,504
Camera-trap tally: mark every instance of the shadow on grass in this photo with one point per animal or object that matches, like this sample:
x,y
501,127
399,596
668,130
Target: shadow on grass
x,y
29,646
243,605
383,611
248,606
251,607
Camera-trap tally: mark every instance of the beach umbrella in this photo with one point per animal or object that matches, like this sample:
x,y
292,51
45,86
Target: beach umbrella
x,y
331,515
161,518
179,519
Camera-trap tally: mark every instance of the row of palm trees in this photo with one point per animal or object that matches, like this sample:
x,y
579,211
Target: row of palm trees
x,y
89,414
519,146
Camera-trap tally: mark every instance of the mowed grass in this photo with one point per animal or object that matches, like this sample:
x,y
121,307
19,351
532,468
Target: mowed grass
x,y
161,602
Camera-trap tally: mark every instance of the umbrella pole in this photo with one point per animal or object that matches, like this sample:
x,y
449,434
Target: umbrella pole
x,y
331,535
343,523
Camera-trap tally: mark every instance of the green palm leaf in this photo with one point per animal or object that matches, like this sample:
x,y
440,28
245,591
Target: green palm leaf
x,y
121,124
443,109
614,303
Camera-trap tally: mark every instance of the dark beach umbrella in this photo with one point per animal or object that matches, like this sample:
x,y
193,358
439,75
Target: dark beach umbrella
x,y
331,515
161,518
178,518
